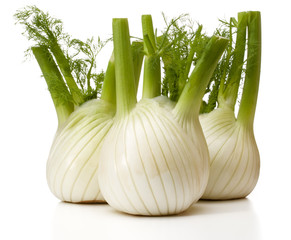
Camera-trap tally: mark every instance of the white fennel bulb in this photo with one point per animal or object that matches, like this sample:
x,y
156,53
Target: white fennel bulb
x,y
69,68
148,162
73,160
234,156
149,166
74,156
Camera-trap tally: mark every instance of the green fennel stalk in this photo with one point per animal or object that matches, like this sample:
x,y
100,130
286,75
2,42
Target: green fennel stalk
x,y
108,89
228,90
248,101
189,61
124,69
56,85
152,67
190,100
137,48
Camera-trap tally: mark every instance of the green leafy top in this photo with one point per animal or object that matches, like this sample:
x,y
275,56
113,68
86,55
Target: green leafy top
x,y
223,67
76,59
83,64
185,44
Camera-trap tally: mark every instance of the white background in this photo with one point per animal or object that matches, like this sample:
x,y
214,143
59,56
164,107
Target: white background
x,y
28,122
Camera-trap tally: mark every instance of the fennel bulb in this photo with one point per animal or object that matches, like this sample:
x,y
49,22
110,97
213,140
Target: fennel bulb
x,y
73,159
148,163
82,123
234,156
74,156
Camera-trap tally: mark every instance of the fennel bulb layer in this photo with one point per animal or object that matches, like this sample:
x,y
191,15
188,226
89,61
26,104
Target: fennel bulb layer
x,y
74,156
149,165
234,156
